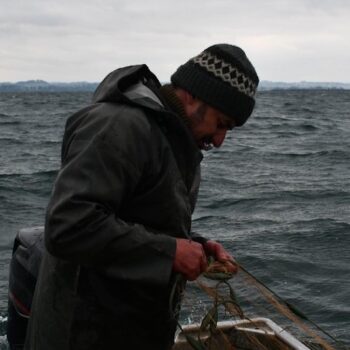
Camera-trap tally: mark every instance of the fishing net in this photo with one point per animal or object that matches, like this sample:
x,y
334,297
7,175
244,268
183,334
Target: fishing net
x,y
241,313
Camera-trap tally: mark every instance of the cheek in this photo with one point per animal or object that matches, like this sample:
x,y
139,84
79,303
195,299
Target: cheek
x,y
206,127
207,130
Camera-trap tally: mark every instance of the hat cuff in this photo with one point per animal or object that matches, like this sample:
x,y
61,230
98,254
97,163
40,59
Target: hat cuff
x,y
214,92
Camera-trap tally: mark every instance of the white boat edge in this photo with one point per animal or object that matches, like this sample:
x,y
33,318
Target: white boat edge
x,y
278,331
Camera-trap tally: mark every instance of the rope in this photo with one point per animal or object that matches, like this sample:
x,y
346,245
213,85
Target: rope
x,y
292,307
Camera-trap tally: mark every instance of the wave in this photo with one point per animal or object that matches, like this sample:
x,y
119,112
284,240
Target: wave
x,y
305,194
261,152
228,202
329,231
308,110
199,218
3,340
334,153
9,122
308,127
305,154
12,140
47,142
287,127
35,173
292,108
265,198
22,141
280,116
3,343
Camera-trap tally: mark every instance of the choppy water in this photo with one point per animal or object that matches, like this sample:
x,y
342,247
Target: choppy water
x,y
277,194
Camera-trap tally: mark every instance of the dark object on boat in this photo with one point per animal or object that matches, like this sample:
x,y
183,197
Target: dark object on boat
x,y
27,252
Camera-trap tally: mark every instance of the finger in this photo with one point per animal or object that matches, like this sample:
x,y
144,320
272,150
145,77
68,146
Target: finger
x,y
231,266
223,255
204,263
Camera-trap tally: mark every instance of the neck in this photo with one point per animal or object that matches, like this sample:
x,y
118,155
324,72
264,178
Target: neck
x,y
174,100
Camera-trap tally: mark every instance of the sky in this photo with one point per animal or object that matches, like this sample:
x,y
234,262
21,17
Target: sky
x,y
83,40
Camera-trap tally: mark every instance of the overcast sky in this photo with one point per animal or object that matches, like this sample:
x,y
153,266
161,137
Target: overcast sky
x,y
75,40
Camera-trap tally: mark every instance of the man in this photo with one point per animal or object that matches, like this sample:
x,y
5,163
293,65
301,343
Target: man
x,y
118,227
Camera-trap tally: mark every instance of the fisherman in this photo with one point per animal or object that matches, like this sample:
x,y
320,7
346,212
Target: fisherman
x,y
118,225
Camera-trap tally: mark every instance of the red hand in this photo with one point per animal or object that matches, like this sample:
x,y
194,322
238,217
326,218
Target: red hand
x,y
190,259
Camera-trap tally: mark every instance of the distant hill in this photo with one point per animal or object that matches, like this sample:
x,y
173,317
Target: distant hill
x,y
43,86
303,85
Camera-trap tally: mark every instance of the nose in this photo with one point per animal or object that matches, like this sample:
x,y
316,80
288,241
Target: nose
x,y
219,137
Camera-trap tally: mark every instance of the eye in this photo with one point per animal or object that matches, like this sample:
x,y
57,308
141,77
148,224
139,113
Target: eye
x,y
225,123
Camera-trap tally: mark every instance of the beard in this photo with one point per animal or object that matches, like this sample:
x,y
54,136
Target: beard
x,y
195,119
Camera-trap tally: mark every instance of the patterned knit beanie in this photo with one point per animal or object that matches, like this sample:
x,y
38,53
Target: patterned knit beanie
x,y
223,77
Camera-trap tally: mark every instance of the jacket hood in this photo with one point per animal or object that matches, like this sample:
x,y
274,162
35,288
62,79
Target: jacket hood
x,y
137,85
132,84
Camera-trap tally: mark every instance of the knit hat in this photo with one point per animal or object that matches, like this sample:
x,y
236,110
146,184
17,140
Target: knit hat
x,y
223,77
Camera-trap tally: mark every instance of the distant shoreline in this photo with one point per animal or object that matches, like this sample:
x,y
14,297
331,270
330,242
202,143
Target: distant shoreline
x,y
43,86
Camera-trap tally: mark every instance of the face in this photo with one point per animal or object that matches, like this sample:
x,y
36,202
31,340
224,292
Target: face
x,y
209,126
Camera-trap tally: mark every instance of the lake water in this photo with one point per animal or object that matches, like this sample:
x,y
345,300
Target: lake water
x,y
276,194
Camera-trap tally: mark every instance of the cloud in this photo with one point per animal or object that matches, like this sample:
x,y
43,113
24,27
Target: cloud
x,y
83,40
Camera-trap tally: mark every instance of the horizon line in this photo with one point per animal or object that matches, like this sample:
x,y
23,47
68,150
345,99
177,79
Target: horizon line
x,y
98,82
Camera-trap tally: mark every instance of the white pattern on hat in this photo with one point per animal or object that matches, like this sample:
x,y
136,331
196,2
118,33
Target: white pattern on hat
x,y
226,72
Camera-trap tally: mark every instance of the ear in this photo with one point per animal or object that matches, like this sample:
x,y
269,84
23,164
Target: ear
x,y
189,99
190,103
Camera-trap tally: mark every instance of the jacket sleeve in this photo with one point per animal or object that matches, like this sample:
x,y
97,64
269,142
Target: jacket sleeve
x,y
82,224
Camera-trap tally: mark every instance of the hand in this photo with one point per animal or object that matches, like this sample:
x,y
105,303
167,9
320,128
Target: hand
x,y
190,259
220,254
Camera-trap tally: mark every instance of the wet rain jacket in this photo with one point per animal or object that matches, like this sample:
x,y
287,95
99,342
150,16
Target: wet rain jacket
x,y
126,189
